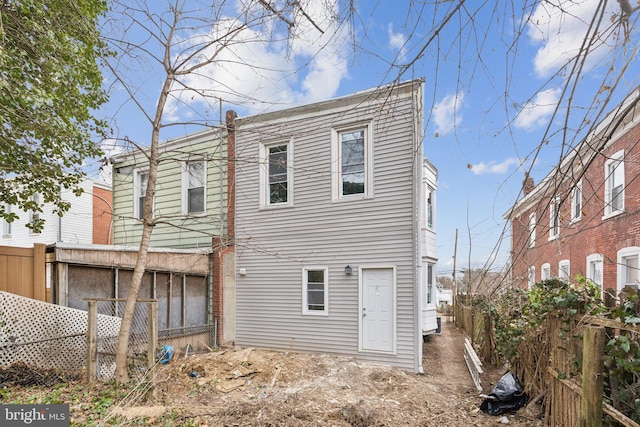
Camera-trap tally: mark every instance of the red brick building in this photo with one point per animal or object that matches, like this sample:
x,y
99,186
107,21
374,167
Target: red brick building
x,y
584,217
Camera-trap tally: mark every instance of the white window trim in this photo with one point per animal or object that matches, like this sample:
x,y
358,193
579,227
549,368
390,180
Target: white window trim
x,y
136,193
305,277
561,264
431,193
6,226
608,211
336,164
576,189
592,259
532,230
531,277
554,211
624,253
264,173
185,188
545,271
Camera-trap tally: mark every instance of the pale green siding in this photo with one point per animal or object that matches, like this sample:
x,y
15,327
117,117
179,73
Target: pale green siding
x,y
175,228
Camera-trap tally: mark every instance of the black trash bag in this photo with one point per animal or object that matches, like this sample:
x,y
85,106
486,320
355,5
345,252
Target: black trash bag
x,y
507,395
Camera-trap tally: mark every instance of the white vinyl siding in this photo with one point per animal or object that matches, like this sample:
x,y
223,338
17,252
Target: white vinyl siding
x,y
614,184
326,230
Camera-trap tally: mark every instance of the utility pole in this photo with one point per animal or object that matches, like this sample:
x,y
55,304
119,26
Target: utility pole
x,y
455,284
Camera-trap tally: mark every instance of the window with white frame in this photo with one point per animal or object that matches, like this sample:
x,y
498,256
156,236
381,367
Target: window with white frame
x,y
431,195
564,270
594,269
545,271
315,292
554,218
576,202
532,229
614,184
194,187
34,215
352,162
628,267
276,176
531,279
141,179
429,283
6,225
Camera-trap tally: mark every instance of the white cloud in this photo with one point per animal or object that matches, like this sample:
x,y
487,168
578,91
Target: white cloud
x,y
559,28
446,113
537,112
492,167
261,74
397,42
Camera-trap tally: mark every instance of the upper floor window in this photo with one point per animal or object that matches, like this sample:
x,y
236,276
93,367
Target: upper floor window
x,y
554,218
576,202
429,283
545,271
352,161
614,184
141,179
276,174
594,269
532,229
564,270
6,225
315,293
430,207
194,181
628,267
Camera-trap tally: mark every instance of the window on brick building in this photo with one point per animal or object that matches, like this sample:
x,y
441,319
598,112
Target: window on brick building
x,y
564,270
594,269
554,218
545,271
576,202
531,280
628,267
532,229
614,184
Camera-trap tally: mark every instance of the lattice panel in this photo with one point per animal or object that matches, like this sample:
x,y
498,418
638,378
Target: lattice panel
x,y
46,335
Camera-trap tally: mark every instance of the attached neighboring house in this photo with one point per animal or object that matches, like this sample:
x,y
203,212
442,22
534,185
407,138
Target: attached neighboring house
x,y
584,217
88,221
193,206
334,248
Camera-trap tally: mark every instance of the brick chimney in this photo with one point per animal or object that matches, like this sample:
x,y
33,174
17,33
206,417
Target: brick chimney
x,y
527,184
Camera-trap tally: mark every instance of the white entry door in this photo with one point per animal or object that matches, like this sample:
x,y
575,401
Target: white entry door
x,y
377,305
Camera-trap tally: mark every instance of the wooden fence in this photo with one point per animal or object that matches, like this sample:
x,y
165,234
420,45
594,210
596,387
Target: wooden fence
x,y
571,376
23,271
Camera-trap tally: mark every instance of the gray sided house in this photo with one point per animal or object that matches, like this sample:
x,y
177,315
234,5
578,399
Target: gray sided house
x,y
190,203
330,212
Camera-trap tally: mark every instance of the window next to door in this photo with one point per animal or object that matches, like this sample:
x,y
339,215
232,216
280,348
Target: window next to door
x,y
315,292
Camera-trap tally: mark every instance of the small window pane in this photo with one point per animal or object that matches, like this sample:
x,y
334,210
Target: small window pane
x,y
196,200
352,162
278,174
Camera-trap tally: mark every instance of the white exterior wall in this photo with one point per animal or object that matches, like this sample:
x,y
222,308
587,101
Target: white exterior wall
x,y
76,226
428,250
274,244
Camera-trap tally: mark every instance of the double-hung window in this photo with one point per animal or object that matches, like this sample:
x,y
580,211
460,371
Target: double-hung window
x,y
545,271
141,179
352,162
576,202
194,180
431,195
532,229
276,175
614,184
6,225
594,269
554,218
628,266
531,277
315,292
564,270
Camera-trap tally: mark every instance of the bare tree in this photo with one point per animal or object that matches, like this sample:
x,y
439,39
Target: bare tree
x,y
181,43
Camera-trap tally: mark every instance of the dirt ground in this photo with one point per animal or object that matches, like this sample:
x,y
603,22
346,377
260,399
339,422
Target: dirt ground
x,y
252,387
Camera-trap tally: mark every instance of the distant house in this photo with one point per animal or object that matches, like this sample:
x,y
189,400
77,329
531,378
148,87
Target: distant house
x,y
193,207
335,231
584,217
88,221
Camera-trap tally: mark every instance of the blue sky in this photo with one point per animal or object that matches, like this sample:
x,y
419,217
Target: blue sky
x,y
495,74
